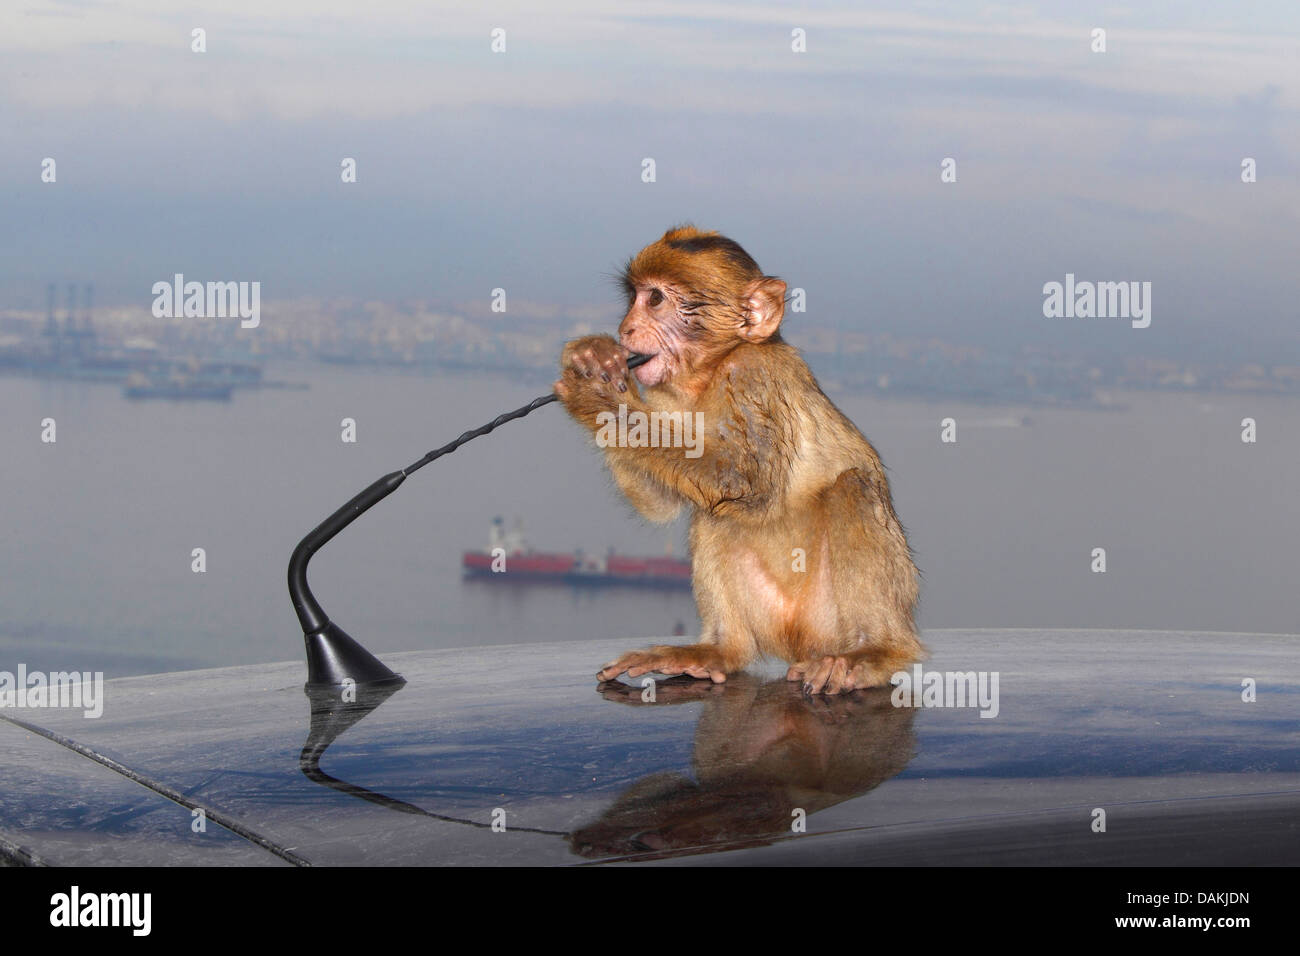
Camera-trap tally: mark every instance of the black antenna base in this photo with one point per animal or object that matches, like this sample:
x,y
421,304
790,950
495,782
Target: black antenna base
x,y
334,658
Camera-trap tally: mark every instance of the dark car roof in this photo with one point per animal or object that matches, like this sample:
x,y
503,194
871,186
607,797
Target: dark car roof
x,y
1149,727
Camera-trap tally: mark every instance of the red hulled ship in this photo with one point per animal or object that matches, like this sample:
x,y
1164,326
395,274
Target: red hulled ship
x,y
509,558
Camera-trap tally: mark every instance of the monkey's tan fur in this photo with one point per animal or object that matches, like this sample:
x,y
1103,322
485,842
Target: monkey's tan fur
x,y
796,551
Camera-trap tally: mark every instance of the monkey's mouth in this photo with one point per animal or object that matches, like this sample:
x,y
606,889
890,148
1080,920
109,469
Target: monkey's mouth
x,y
654,371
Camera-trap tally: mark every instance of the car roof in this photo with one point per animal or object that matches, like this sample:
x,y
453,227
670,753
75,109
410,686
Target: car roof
x,y
1106,747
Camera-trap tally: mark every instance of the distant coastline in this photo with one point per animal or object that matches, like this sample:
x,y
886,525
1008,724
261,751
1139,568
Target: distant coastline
x,y
178,354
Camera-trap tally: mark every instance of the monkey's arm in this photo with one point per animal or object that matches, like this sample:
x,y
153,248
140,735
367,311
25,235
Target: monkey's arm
x,y
655,502
741,454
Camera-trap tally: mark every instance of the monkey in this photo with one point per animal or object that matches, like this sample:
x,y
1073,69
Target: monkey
x,y
796,551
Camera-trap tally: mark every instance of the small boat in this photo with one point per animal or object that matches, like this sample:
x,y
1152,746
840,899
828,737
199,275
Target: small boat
x,y
176,388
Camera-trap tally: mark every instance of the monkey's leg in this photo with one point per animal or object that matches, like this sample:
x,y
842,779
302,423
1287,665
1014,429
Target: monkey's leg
x,y
727,641
874,584
725,645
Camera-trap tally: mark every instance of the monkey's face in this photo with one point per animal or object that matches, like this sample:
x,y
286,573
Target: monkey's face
x,y
693,297
654,325
681,329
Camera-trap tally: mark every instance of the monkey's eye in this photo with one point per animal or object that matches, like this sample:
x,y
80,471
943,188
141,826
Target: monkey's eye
x,y
656,297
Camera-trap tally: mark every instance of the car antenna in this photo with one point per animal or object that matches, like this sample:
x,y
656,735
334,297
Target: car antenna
x,y
333,657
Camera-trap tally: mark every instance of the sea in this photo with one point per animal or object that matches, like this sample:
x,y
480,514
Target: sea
x,y
1152,515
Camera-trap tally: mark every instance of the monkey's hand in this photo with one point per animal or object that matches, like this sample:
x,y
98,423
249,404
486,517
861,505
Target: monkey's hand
x,y
593,375
703,661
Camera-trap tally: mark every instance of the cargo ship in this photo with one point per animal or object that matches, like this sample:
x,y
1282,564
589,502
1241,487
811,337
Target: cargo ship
x,y
508,558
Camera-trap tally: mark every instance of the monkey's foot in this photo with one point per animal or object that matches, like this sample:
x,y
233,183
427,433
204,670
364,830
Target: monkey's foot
x,y
702,661
842,673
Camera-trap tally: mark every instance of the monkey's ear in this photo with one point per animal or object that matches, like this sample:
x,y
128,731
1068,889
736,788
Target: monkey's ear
x,y
764,308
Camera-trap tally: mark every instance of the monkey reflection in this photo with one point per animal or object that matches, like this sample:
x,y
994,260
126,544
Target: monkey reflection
x,y
762,750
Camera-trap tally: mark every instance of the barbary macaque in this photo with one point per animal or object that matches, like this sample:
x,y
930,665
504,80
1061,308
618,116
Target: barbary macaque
x,y
796,551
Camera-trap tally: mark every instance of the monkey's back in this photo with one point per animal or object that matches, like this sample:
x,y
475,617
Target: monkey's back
x,y
826,561
824,442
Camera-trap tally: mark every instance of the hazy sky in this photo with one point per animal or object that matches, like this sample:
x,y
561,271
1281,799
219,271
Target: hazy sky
x,y
522,169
